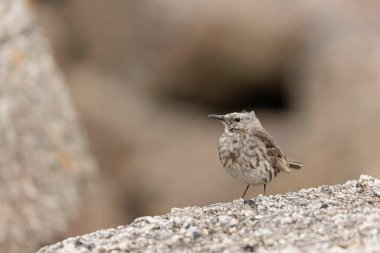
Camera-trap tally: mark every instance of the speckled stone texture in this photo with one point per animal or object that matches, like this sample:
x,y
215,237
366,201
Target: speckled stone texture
x,y
44,162
340,218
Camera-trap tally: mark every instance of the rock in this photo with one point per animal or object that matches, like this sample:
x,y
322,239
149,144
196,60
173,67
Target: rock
x,y
340,218
44,162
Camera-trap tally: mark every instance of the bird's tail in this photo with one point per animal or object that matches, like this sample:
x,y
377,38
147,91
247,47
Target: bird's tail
x,y
295,165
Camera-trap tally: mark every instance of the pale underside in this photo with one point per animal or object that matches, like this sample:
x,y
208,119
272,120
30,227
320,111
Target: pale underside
x,y
251,157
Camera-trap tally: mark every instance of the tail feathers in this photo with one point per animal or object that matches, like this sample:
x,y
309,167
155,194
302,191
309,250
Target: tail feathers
x,y
295,165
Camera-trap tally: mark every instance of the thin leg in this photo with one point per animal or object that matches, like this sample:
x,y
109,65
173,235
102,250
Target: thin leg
x,y
246,189
265,186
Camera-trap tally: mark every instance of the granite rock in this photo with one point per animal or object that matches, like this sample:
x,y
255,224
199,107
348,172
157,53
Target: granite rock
x,y
44,162
339,218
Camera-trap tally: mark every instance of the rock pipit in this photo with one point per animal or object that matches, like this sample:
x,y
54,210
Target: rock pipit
x,y
248,152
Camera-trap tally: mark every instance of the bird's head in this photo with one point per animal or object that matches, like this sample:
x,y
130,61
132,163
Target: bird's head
x,y
238,120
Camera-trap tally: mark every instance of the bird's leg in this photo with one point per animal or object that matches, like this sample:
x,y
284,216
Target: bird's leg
x,y
265,186
246,189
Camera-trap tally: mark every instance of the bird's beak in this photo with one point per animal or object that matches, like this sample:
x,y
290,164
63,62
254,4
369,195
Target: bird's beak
x,y
214,116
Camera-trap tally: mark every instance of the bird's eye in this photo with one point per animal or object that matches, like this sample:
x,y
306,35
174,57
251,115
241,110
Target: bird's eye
x,y
237,119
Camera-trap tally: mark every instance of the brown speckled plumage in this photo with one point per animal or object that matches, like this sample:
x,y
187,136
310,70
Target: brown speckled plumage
x,y
248,152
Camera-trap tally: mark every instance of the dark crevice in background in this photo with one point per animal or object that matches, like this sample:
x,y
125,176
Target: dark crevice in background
x,y
249,95
271,95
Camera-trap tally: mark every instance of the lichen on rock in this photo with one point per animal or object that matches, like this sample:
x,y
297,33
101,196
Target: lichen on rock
x,y
44,162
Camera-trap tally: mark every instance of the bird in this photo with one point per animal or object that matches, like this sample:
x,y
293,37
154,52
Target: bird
x,y
248,152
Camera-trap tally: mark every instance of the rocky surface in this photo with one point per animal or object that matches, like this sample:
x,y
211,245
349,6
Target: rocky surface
x,y
340,218
44,161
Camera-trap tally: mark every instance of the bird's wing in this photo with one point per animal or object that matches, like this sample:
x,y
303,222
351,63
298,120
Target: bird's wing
x,y
278,160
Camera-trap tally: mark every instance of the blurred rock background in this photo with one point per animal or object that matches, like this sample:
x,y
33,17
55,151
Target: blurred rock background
x,y
145,74
45,165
